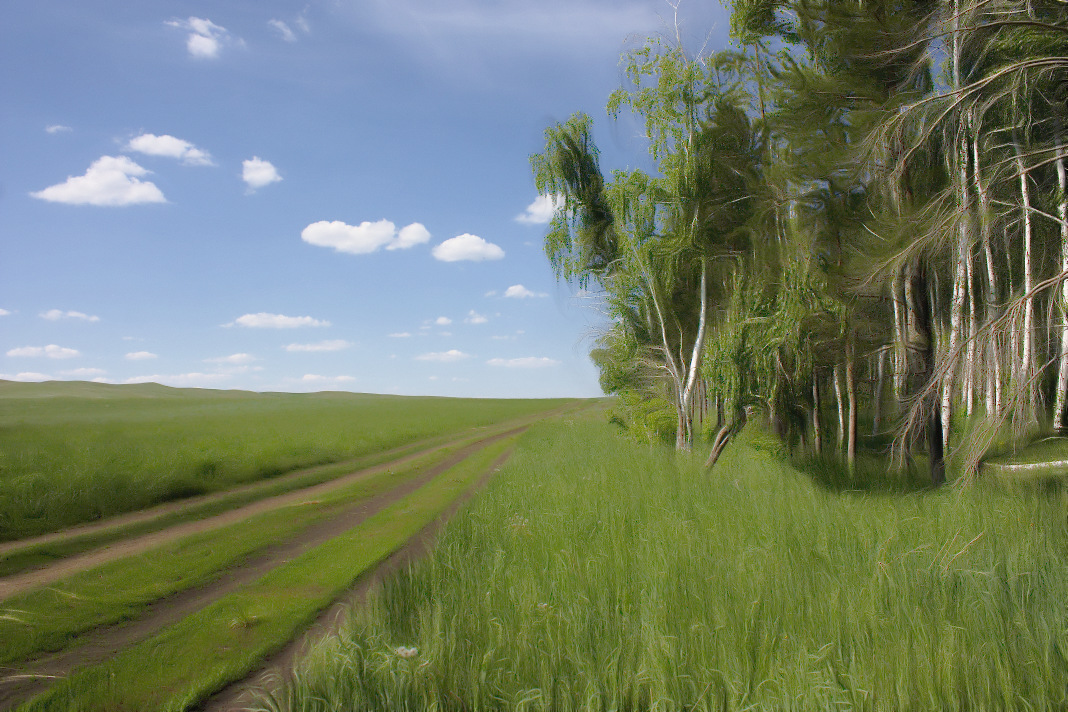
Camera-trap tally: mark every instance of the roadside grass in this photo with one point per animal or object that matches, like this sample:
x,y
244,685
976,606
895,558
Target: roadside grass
x,y
598,574
20,558
226,640
79,452
51,618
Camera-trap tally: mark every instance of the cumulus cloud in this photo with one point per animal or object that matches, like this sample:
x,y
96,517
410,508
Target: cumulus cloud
x,y
57,128
205,38
182,380
524,362
50,351
263,320
257,173
283,29
364,238
331,345
541,210
169,147
474,317
443,356
140,356
83,372
57,314
234,359
467,247
443,321
400,335
518,291
110,180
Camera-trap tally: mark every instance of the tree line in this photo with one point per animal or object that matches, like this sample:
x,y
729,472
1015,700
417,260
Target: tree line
x,y
861,207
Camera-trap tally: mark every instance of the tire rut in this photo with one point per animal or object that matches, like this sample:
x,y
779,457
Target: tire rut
x,y
20,683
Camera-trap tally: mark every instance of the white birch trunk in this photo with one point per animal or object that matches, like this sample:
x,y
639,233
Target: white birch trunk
x,y
1028,336
1060,417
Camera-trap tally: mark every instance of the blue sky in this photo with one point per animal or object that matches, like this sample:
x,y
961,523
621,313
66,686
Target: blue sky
x,y
301,196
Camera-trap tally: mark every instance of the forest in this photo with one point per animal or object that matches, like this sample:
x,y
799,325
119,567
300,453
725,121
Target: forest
x,y
856,217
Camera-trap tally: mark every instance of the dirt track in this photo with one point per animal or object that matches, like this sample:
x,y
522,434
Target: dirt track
x,y
20,683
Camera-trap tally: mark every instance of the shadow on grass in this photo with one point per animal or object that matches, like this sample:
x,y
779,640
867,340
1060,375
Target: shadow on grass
x,y
873,474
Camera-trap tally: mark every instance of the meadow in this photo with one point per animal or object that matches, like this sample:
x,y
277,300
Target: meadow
x,y
79,452
599,574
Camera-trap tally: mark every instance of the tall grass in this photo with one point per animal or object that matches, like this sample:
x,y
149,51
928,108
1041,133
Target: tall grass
x,y
71,453
597,574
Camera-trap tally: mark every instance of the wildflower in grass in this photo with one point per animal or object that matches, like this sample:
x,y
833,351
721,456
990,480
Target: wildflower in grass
x,y
518,523
403,652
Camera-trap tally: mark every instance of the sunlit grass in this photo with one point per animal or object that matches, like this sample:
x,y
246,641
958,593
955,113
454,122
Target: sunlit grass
x,y
597,574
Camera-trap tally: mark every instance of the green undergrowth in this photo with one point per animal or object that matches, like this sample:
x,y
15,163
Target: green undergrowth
x,y
51,618
79,452
599,574
225,641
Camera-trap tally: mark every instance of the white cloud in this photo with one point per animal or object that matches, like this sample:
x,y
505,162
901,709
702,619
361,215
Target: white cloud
x,y
235,359
467,247
257,173
410,236
110,180
263,320
140,356
541,210
205,38
518,291
318,380
169,147
443,356
283,29
51,351
474,317
4,312
81,372
57,128
443,321
364,238
182,380
400,335
332,345
57,314
525,362
25,376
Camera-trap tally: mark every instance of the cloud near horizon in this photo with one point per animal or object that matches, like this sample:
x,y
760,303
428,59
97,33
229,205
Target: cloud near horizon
x,y
365,238
524,362
50,351
109,181
264,320
467,248
140,356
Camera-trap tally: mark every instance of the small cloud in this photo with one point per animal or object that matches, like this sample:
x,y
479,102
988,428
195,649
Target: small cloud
x,y
283,29
400,335
110,180
467,247
258,173
182,380
205,38
318,380
302,23
330,345
25,376
4,312
83,372
57,314
443,356
50,351
233,359
57,128
443,321
490,293
474,317
263,320
518,291
365,238
525,362
541,211
169,147
140,356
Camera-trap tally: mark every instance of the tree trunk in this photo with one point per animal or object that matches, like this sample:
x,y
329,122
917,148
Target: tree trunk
x,y
851,393
877,395
960,273
923,347
817,426
723,437
1027,355
901,364
993,368
1060,416
841,408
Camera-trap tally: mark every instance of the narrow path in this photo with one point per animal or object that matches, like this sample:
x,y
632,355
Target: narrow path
x,y
276,671
36,578
20,684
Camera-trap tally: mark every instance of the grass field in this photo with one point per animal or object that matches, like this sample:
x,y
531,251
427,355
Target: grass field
x,y
77,452
596,574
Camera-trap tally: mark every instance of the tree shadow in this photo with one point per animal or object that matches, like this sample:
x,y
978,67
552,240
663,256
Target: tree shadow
x,y
873,474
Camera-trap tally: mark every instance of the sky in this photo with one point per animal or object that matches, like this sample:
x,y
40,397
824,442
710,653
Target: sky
x,y
303,196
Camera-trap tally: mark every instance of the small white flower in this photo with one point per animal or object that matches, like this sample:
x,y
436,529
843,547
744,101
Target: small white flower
x,y
403,652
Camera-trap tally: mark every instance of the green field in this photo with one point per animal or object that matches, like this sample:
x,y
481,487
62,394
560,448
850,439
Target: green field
x,y
79,452
596,574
